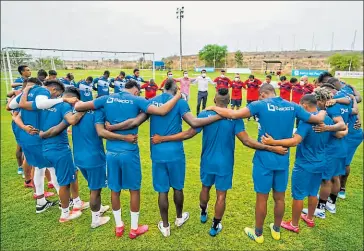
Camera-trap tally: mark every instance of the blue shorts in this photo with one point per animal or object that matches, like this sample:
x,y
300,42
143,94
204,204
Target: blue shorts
x,y
169,174
235,102
222,183
267,179
334,167
305,183
123,170
62,161
96,177
352,144
34,156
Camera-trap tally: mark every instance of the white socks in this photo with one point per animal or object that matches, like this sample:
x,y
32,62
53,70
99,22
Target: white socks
x,y
134,220
52,171
95,217
77,202
117,217
39,184
65,213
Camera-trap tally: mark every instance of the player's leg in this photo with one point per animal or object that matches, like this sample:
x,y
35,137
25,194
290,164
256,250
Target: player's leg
x,y
199,100
19,159
131,180
114,182
176,174
247,103
232,104
340,170
207,181
77,203
52,174
238,104
204,100
28,177
314,187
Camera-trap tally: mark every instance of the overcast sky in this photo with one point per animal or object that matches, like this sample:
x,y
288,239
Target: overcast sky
x,y
153,26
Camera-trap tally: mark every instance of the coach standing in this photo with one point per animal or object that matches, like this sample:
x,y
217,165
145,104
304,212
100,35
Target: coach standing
x,y
202,85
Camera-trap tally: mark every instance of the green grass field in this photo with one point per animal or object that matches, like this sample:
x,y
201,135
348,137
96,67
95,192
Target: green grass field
x,y
22,229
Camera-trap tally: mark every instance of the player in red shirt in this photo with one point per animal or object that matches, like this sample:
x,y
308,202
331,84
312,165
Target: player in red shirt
x,y
151,89
222,81
297,90
169,76
307,87
285,88
236,92
252,84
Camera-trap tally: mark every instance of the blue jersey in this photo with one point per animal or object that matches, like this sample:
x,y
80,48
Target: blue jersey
x,y
102,86
85,90
218,144
32,117
337,147
139,80
118,108
167,125
14,126
276,117
88,149
66,82
52,117
310,153
119,84
19,80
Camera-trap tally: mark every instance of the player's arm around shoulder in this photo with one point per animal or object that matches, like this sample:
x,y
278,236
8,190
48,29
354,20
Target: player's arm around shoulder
x,y
160,110
69,116
54,131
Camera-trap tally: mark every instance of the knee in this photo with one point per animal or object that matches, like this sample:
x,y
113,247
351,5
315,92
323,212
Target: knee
x,y
278,199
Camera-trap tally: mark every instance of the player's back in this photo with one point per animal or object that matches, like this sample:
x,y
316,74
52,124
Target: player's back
x,y
310,153
88,149
51,117
166,125
218,144
276,118
85,91
18,81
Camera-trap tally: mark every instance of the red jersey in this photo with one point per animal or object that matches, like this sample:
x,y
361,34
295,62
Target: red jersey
x,y
285,90
236,92
252,89
150,90
308,88
222,82
297,93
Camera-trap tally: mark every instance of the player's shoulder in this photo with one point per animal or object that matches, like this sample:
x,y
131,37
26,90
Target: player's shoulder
x,y
328,120
19,80
206,113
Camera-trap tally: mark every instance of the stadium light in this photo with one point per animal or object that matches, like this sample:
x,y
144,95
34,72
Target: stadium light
x,y
180,15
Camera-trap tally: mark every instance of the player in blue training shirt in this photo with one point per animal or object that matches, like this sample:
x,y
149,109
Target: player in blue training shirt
x,y
25,73
34,99
217,157
101,84
123,161
56,149
52,75
270,170
85,87
168,169
136,77
118,83
310,162
68,80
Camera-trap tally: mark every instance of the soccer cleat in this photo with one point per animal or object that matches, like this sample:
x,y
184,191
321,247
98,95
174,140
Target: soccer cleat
x,y
50,185
102,221
29,185
180,221
166,231
69,205
141,230
20,170
73,215
341,195
46,195
319,213
276,235
288,225
331,207
103,209
213,232
203,217
309,223
119,231
84,205
250,232
42,208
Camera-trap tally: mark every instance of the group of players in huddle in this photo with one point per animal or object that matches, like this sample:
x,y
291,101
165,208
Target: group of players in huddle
x,y
327,136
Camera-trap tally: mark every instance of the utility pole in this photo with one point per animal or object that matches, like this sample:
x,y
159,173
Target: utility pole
x,y
313,41
180,15
352,48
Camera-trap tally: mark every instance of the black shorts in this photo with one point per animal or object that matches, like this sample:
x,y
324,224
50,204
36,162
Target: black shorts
x,y
236,102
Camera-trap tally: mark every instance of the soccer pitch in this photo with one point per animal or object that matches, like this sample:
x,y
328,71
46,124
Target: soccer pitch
x,y
23,229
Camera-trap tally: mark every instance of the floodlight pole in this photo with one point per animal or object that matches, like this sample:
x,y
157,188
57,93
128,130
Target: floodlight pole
x,y
180,15
9,66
